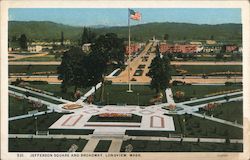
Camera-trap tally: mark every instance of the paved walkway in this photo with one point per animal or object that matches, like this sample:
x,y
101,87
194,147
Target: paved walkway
x,y
91,145
40,94
210,98
116,145
217,120
169,96
29,115
94,141
91,91
113,73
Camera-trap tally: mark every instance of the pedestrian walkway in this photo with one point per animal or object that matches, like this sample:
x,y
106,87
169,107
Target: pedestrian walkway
x,y
29,115
91,91
113,73
115,145
40,94
91,145
218,120
210,98
169,96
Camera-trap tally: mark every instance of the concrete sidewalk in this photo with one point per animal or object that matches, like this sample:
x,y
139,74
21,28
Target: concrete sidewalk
x,y
91,145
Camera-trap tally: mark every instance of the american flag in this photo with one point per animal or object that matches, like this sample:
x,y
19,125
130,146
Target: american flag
x,y
135,15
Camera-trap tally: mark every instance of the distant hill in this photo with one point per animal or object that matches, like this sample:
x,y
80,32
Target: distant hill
x,y
176,31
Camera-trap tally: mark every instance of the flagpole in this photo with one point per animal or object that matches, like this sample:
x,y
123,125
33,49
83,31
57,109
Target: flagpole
x,y
129,83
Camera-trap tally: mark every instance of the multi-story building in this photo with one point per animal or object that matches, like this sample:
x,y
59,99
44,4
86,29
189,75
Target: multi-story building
x,y
135,47
212,48
178,48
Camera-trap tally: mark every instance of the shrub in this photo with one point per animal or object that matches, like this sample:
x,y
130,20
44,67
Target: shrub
x,y
177,83
38,82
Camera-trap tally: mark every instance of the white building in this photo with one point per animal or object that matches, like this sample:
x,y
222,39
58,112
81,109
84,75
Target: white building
x,y
86,47
35,48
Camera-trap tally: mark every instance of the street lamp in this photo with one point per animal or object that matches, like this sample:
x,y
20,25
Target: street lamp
x,y
36,124
138,99
107,98
184,127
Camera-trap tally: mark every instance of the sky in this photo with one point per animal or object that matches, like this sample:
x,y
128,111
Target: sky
x,y
119,17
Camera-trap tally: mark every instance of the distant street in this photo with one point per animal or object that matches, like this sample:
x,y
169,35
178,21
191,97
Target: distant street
x,y
21,56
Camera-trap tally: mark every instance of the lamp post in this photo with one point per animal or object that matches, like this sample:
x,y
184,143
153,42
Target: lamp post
x,y
36,124
107,98
138,99
184,127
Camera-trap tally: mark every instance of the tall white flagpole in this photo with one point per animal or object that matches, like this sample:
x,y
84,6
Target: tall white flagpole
x,y
129,83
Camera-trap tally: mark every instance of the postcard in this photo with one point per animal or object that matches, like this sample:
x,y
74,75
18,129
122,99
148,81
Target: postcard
x,y
125,80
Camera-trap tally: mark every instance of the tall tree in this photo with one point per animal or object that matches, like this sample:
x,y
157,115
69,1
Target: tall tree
x,y
87,36
23,42
72,70
84,36
166,37
160,72
62,38
110,47
105,49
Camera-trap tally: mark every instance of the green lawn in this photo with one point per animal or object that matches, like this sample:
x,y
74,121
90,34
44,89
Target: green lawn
x,y
164,146
212,100
44,145
209,69
56,89
29,69
178,130
71,131
21,106
230,111
28,125
192,91
25,53
36,96
199,127
227,59
117,94
133,119
103,146
194,127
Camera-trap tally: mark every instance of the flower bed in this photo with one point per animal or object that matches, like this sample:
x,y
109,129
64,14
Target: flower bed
x,y
71,106
110,115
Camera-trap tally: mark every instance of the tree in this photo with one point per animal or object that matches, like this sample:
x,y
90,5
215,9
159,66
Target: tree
x,y
110,47
219,56
212,37
105,49
166,37
87,36
23,42
72,70
62,39
160,72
